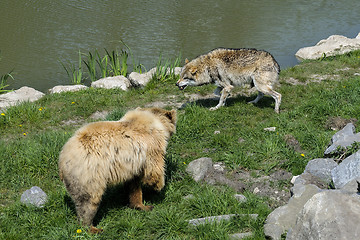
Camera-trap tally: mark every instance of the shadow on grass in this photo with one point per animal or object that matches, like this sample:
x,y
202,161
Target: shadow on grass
x,y
265,102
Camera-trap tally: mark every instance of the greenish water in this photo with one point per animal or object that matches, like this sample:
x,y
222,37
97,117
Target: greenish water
x,y
35,35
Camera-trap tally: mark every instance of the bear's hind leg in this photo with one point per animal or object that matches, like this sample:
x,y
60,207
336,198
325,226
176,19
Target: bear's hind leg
x,y
135,195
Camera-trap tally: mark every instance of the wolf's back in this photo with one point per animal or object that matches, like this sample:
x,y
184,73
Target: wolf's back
x,y
244,57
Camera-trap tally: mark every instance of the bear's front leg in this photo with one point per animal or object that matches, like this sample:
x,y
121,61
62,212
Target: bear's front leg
x,y
135,195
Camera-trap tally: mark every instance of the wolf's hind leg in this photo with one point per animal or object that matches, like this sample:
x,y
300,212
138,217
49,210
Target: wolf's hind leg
x,y
264,84
259,96
277,97
224,94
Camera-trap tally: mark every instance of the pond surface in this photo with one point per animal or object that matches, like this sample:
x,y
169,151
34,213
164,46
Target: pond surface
x,y
36,35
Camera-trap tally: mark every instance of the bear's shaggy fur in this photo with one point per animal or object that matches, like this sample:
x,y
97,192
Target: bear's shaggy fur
x,y
130,150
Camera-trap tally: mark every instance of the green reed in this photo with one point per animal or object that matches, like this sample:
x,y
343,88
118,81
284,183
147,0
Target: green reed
x,y
90,65
102,62
118,62
74,72
165,69
3,82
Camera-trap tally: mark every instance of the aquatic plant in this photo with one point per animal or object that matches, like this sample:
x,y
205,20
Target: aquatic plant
x,y
166,69
118,62
74,72
3,82
90,65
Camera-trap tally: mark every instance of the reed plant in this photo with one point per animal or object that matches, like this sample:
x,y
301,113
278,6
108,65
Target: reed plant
x,y
91,66
102,63
165,69
118,62
3,82
74,72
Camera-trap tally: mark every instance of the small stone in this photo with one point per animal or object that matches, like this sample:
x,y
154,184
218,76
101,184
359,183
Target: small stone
x,y
270,129
241,198
34,196
293,179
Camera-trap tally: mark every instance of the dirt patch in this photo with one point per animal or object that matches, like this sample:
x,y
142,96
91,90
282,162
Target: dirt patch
x,y
275,186
338,123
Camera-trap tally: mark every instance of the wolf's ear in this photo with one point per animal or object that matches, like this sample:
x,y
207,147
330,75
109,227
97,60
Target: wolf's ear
x,y
186,61
193,70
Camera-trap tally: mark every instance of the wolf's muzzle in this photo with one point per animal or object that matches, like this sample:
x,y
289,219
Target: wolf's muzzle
x,y
180,87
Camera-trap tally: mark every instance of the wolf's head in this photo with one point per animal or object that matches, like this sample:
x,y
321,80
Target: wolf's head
x,y
193,73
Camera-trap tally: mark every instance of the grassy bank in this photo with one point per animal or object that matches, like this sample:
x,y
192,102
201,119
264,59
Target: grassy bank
x,y
32,135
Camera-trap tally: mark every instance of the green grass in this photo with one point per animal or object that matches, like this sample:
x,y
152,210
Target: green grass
x,y
31,159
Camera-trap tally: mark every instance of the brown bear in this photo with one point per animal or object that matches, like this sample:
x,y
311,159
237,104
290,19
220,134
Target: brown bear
x,y
130,150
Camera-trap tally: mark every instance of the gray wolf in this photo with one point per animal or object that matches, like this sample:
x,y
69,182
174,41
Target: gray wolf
x,y
227,68
129,151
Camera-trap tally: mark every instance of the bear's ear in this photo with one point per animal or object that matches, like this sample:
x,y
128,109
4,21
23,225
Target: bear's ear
x,y
171,115
186,61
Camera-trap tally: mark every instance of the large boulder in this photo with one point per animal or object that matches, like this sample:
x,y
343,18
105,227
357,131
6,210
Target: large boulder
x,y
284,217
343,138
112,82
328,215
333,45
321,168
23,94
347,170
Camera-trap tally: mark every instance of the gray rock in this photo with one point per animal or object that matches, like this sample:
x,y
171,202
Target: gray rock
x,y
347,170
34,196
321,168
240,235
67,88
199,168
212,219
112,82
328,215
343,138
333,45
22,94
240,197
352,187
284,217
306,178
141,79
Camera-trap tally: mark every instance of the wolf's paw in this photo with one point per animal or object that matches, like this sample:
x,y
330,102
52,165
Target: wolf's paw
x,y
213,108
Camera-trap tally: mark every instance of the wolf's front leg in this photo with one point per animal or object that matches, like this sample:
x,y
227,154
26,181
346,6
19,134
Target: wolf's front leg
x,y
224,94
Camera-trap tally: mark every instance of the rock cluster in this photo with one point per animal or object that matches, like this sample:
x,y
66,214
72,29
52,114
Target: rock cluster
x,y
316,212
333,45
27,94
